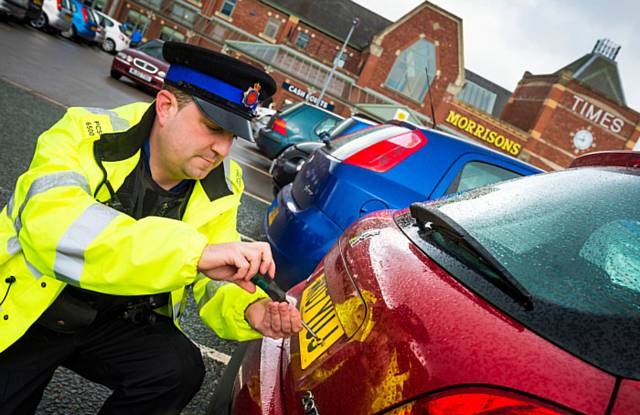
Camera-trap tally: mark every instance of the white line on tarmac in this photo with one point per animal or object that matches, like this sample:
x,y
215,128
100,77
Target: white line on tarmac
x,y
268,202
214,354
33,92
244,163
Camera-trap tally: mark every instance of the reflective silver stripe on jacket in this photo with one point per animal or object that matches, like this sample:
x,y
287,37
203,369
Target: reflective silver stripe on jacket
x,y
69,262
10,206
226,162
175,310
210,290
13,245
117,123
47,182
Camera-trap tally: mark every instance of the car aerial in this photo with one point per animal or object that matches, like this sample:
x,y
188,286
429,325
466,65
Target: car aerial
x,y
286,166
145,64
115,35
520,297
83,23
386,166
21,9
56,15
299,122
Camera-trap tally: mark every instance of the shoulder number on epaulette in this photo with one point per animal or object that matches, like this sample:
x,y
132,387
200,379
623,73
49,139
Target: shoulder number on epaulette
x,y
93,128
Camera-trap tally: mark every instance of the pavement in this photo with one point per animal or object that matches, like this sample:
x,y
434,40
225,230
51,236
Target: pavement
x,y
24,115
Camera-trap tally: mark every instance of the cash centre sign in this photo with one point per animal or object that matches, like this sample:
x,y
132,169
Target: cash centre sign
x,y
306,95
483,132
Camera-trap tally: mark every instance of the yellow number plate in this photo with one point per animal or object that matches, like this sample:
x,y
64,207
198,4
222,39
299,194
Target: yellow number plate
x,y
319,313
273,214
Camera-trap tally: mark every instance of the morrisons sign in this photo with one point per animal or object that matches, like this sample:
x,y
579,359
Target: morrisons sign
x,y
483,133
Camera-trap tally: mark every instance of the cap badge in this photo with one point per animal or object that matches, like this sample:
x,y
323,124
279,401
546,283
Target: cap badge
x,y
251,95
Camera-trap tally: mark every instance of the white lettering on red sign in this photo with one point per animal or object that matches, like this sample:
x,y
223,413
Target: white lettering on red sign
x,y
597,115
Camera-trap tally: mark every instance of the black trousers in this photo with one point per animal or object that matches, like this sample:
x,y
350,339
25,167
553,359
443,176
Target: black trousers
x,y
152,369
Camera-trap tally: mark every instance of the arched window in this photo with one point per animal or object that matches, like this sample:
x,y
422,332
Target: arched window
x,y
408,74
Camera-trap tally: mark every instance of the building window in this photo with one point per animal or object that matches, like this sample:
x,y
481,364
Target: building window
x,y
478,97
155,4
137,21
227,7
408,75
183,13
302,40
271,28
167,33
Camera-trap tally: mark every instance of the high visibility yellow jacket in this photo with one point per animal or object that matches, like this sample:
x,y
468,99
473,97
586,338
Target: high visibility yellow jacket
x,y
56,229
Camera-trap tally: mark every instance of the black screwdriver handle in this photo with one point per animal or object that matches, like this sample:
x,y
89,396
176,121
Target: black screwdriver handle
x,y
270,287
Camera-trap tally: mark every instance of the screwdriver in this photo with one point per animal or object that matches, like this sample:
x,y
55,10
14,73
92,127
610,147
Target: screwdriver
x,y
277,294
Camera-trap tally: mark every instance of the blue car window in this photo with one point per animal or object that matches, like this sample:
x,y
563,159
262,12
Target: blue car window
x,y
475,174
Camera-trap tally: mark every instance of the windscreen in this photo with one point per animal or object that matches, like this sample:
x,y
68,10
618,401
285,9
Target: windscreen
x,y
572,240
152,48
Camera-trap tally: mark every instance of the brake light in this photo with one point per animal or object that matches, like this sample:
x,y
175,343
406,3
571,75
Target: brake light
x,y
478,402
384,155
85,16
280,126
59,5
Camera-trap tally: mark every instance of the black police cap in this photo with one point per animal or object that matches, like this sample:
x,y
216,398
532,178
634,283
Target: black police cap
x,y
225,89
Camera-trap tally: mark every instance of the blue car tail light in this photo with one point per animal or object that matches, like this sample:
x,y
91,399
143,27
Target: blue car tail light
x,y
386,154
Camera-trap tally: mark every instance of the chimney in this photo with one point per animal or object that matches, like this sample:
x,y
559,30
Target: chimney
x,y
606,48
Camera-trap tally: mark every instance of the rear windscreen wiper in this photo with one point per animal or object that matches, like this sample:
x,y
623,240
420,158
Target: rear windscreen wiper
x,y
431,219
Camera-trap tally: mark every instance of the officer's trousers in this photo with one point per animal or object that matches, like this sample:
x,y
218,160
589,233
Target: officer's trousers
x,y
151,369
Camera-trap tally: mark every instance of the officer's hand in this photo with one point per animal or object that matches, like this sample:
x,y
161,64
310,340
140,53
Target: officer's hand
x,y
273,319
237,262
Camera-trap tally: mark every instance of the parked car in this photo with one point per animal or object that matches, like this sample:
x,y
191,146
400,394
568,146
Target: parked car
x,y
521,297
144,64
262,118
56,15
115,36
286,166
83,23
21,9
100,29
300,122
387,166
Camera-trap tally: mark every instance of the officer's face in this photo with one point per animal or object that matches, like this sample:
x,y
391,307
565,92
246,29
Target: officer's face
x,y
195,145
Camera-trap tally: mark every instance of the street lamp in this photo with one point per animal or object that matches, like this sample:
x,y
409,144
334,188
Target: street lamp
x,y
337,59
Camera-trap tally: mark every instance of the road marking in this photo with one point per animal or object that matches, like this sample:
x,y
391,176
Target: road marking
x,y
33,92
244,163
248,238
214,354
265,201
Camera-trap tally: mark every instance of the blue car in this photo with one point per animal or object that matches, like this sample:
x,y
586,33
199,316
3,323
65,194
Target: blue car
x,y
298,123
83,23
286,166
383,167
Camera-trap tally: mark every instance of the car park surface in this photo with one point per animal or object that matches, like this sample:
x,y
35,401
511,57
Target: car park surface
x,y
56,15
520,297
298,123
143,65
387,166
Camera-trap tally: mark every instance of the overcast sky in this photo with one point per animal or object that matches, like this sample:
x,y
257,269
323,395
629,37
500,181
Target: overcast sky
x,y
505,38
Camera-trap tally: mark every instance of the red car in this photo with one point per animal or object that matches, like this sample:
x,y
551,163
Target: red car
x,y
144,64
521,297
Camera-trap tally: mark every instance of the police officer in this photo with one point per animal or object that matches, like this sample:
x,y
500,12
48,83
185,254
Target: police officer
x,y
120,213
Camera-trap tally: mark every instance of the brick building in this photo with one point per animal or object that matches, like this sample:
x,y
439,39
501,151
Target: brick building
x,y
412,68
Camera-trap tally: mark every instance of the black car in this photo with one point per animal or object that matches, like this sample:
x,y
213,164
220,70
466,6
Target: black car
x,y
22,9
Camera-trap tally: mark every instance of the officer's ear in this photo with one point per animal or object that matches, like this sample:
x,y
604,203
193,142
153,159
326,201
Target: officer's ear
x,y
166,106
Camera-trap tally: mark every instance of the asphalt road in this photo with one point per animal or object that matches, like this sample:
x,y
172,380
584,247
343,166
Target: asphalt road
x,y
42,74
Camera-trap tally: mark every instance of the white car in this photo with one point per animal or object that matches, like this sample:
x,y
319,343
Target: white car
x,y
56,14
115,37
